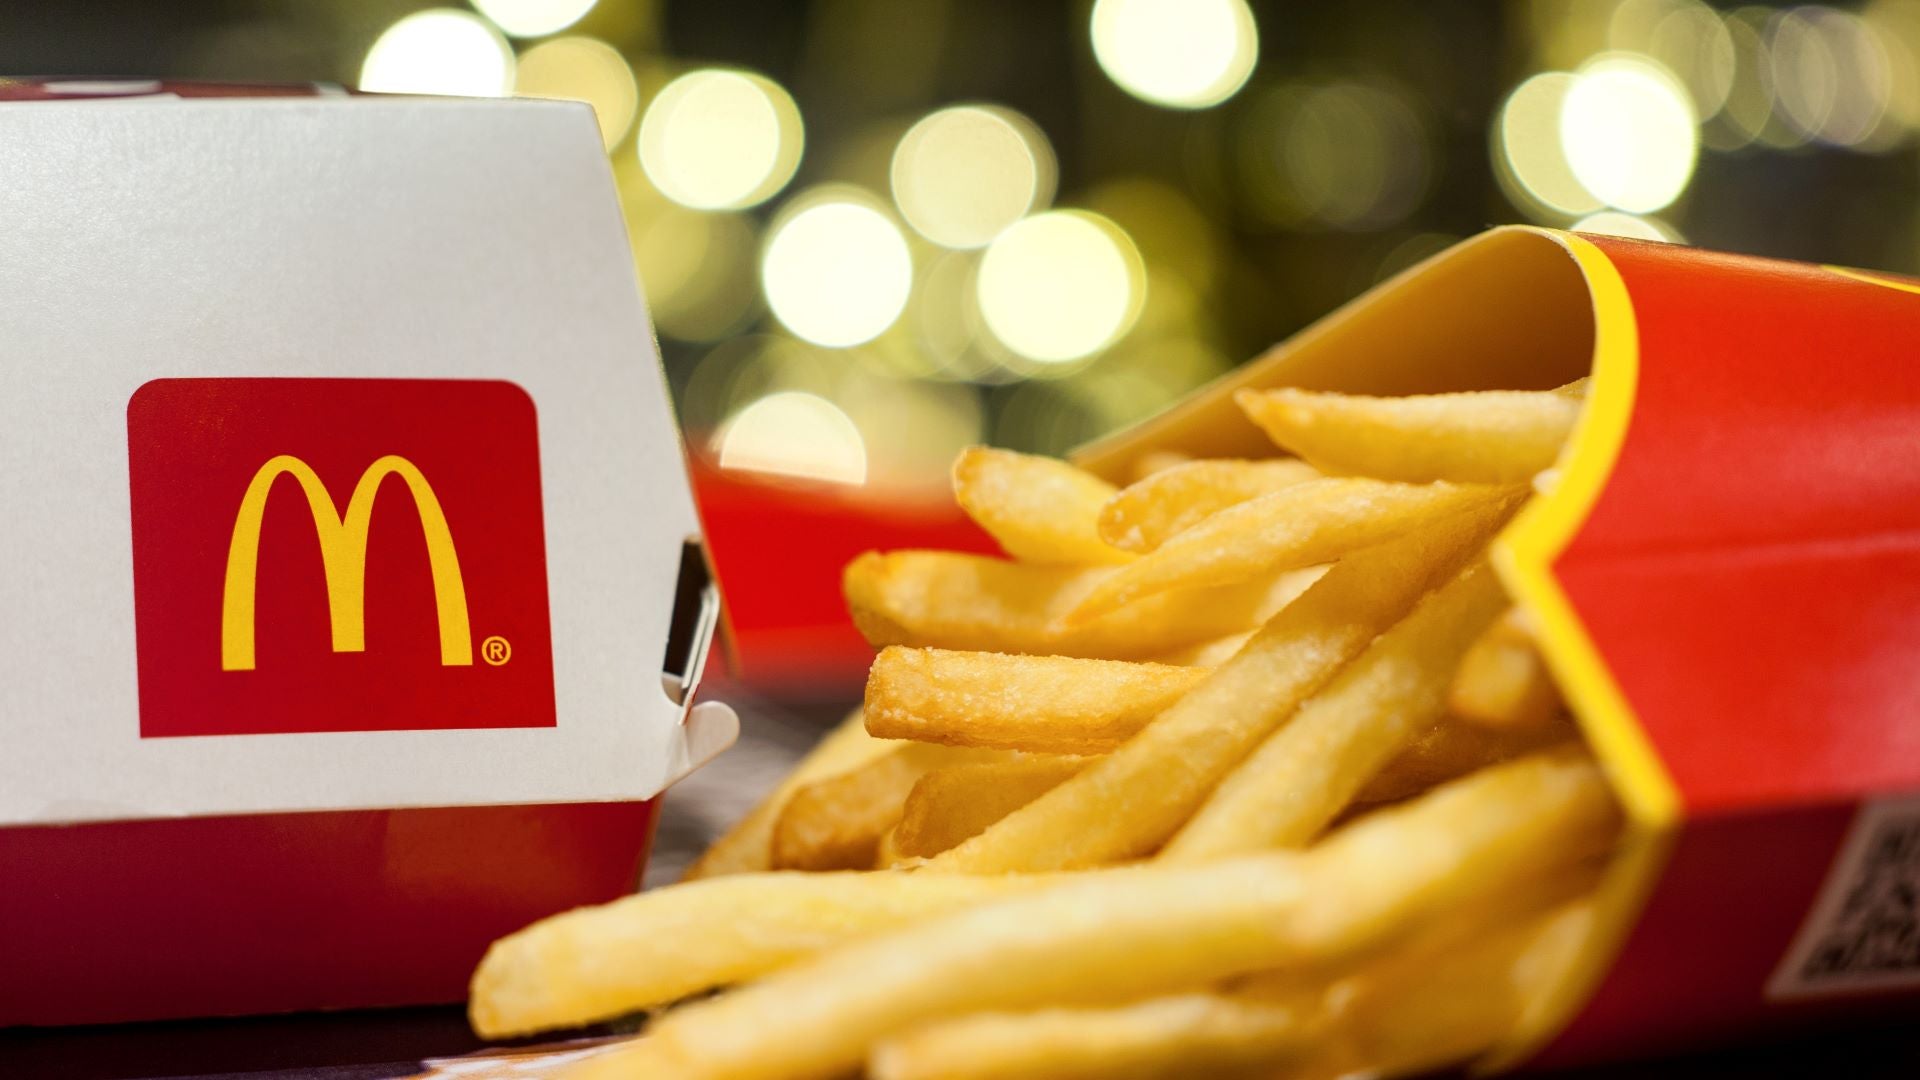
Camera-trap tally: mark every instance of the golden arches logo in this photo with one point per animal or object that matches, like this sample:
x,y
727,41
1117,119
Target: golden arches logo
x,y
343,554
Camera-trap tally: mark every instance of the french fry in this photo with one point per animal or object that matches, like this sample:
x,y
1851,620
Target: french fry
x,y
1050,704
1502,682
1125,805
1154,461
1208,654
1290,679
1420,1012
748,846
1312,522
596,963
952,804
1306,772
887,852
835,823
1143,515
1485,437
1450,750
1183,1035
1255,1026
951,601
1040,509
1170,927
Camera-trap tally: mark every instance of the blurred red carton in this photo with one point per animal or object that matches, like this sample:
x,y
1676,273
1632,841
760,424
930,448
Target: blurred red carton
x,y
1725,569
354,589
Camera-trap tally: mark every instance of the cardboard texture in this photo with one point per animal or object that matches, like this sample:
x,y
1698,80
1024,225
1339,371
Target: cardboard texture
x,y
354,590
1726,570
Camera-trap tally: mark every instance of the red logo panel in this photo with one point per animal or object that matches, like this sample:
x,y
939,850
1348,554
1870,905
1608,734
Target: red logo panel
x,y
337,555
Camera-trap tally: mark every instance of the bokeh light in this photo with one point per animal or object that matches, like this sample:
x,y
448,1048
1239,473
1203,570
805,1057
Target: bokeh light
x,y
1632,226
698,270
1628,131
1165,224
1187,54
1045,416
1749,105
1691,40
1632,23
1060,285
1896,24
720,139
533,18
1830,74
582,69
439,51
745,368
794,433
1564,33
942,328
1528,154
913,431
837,270
962,174
1340,155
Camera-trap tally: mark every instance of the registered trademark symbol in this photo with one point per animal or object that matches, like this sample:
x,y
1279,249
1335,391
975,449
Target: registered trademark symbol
x,y
496,650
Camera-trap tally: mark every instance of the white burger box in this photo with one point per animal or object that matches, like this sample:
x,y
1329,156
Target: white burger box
x,y
352,601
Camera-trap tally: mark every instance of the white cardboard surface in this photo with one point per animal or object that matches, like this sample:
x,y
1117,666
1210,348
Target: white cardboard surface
x,y
323,237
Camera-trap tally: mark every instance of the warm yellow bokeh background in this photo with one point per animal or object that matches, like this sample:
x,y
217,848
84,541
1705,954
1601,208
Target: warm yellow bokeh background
x,y
871,232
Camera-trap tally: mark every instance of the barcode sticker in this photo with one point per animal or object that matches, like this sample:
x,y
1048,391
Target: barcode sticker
x,y
1863,933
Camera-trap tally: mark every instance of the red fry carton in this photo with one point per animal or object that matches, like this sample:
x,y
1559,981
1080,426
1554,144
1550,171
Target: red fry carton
x,y
1725,572
354,598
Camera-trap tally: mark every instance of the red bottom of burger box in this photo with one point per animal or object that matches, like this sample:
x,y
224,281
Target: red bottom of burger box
x,y
159,919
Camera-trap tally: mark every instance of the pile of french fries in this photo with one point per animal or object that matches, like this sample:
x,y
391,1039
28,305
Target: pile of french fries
x,y
1248,768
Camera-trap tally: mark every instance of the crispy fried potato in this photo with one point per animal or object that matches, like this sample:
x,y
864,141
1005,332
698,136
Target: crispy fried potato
x,y
1312,522
1207,654
1142,516
1256,1025
887,852
949,805
748,846
1502,682
1485,437
835,823
596,963
1183,1035
1417,1013
1127,804
1051,704
1451,749
1169,928
1154,461
1307,772
1040,509
951,601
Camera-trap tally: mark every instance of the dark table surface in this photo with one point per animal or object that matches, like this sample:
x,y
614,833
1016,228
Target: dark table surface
x,y
382,1044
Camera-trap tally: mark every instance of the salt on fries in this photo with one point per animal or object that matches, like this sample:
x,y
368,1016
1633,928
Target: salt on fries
x,y
1247,768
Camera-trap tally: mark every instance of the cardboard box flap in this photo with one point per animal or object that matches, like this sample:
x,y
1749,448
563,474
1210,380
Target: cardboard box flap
x,y
341,467
1508,309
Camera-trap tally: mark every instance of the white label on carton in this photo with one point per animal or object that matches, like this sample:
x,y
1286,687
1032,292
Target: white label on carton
x,y
337,459
1863,933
